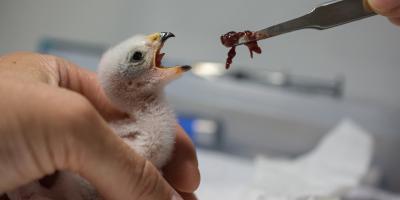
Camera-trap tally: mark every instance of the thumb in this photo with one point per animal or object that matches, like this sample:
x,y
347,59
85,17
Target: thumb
x,y
388,8
120,173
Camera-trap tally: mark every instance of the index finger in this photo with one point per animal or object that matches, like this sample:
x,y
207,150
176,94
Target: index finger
x,y
85,82
57,71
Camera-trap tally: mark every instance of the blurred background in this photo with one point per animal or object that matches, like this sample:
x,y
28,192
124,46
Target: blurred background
x,y
281,103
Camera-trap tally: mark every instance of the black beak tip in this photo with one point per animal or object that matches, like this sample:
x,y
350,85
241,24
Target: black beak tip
x,y
186,68
166,35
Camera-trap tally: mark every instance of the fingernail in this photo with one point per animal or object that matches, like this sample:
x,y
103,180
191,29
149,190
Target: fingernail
x,y
370,4
176,196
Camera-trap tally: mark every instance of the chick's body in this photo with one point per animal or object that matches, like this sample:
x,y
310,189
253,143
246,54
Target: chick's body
x,y
150,130
133,79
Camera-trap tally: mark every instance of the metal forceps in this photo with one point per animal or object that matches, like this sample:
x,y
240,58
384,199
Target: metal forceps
x,y
323,17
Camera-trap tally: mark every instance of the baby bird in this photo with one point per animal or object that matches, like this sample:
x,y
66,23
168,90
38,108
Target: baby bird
x,y
133,79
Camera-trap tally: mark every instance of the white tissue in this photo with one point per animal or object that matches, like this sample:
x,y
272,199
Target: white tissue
x,y
335,166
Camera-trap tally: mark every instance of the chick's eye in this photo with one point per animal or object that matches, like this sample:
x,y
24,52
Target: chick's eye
x,y
137,56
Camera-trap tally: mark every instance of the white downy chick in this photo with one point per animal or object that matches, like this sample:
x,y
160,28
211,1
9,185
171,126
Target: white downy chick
x,y
133,79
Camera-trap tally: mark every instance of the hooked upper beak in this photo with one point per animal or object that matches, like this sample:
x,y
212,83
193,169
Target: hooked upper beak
x,y
165,35
159,39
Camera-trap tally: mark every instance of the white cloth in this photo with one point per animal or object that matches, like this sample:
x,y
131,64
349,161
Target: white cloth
x,y
335,166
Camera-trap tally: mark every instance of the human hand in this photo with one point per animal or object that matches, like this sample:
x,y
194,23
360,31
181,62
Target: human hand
x,y
388,8
54,118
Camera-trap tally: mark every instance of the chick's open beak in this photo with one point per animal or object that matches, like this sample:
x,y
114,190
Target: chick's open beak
x,y
159,39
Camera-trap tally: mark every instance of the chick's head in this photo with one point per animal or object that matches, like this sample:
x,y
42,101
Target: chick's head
x,y
132,69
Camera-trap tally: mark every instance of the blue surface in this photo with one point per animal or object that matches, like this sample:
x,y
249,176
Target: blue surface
x,y
187,125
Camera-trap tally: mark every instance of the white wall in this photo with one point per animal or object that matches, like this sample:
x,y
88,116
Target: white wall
x,y
366,52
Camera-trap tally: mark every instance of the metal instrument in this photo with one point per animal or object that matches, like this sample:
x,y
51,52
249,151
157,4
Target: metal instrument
x,y
323,17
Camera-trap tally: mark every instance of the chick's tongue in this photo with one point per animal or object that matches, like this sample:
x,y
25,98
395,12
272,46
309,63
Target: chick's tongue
x,y
159,58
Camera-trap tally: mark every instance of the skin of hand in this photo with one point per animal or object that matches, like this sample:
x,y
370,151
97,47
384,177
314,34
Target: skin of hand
x,y
388,8
54,117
